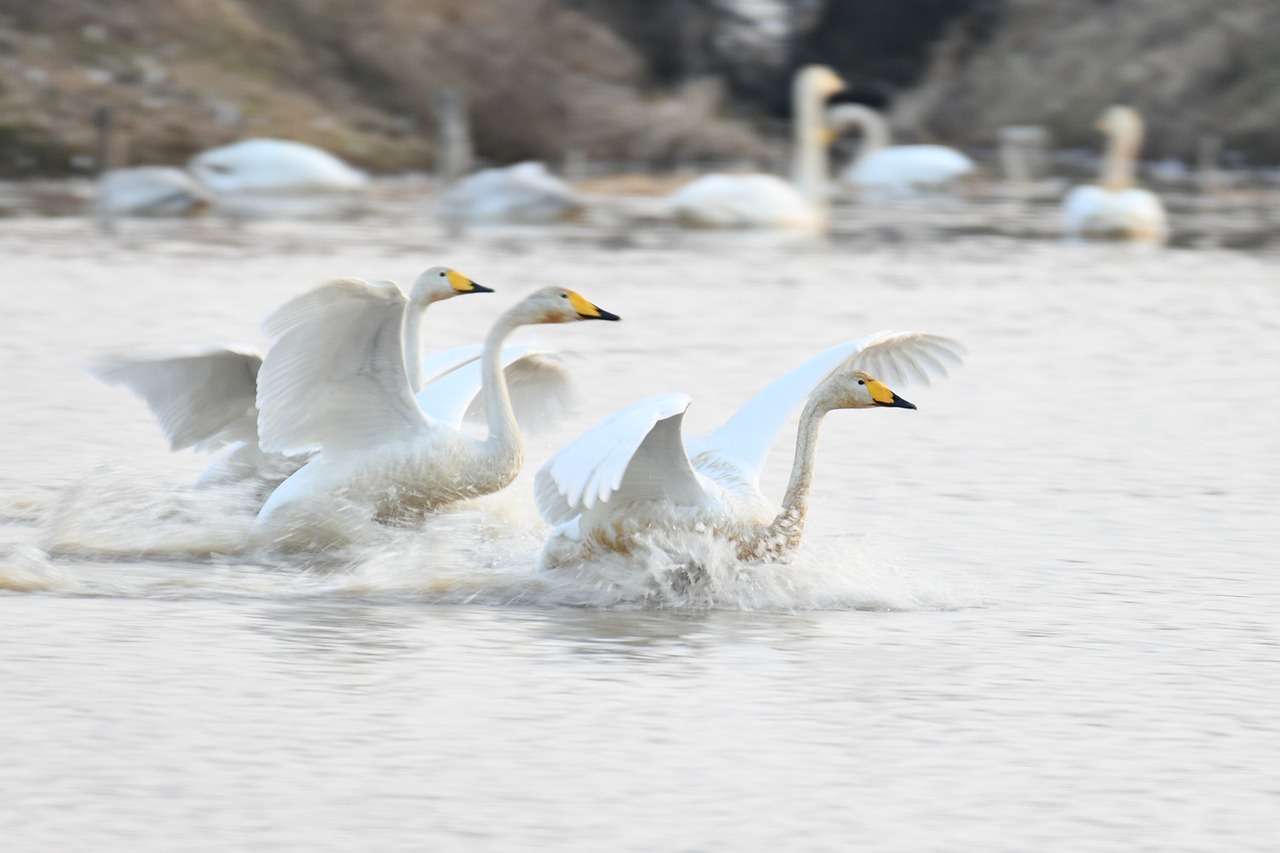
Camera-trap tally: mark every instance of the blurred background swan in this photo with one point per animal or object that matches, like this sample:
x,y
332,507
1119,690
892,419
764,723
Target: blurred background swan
x,y
895,171
334,383
759,200
1116,210
635,472
526,193
149,191
274,166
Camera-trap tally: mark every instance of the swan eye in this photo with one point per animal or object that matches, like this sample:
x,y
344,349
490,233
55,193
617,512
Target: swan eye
x,y
444,275
564,296
862,382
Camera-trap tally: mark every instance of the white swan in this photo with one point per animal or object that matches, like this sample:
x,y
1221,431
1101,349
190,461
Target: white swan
x,y
274,166
206,398
334,383
895,171
767,201
1116,210
150,191
636,473
524,193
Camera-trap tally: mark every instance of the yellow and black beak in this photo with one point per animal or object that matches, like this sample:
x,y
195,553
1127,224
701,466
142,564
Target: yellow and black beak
x,y
462,284
882,396
587,311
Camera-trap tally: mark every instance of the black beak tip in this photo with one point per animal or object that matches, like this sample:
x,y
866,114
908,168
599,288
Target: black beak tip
x,y
479,288
606,315
903,404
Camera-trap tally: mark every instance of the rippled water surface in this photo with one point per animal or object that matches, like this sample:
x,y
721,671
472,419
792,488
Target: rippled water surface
x,y
1039,613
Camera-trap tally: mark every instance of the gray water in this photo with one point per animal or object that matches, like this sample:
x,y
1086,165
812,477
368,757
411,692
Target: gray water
x,y
1036,614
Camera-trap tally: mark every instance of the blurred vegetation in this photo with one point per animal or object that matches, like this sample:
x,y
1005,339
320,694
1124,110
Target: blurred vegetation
x,y
658,81
1193,68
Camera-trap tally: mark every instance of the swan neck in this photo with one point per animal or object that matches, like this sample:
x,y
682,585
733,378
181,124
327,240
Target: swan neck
x,y
809,145
875,133
504,439
414,346
785,532
1119,164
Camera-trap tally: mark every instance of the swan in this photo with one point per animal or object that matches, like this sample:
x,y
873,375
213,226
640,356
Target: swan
x,y
1116,210
895,171
636,472
334,384
523,193
274,166
206,397
766,201
150,191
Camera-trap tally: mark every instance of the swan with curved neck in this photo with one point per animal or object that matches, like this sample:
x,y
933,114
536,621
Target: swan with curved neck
x,y
377,453
895,170
636,472
1116,209
206,398
766,201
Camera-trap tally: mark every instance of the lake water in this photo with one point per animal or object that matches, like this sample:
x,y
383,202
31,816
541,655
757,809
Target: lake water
x,y
1039,613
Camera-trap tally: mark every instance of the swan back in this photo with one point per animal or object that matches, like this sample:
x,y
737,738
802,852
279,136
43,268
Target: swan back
x,y
150,191
274,165
523,193
743,201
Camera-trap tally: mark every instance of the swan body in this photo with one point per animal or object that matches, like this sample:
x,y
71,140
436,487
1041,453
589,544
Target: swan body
x,y
334,384
206,398
150,191
524,193
274,166
636,472
1116,209
896,171
765,201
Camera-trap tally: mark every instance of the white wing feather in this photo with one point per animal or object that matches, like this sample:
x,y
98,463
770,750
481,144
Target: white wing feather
x,y
633,454
448,360
335,375
537,382
897,358
203,398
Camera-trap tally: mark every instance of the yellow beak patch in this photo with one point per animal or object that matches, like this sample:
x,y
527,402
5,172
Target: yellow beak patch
x,y
582,306
460,282
879,392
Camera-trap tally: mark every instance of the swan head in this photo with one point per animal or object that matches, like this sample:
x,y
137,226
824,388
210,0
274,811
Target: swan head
x,y
819,81
1120,121
560,305
857,389
443,283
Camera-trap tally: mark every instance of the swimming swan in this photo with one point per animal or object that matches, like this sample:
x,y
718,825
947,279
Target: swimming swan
x,y
150,191
895,171
206,398
523,193
635,472
1117,210
760,200
274,166
334,383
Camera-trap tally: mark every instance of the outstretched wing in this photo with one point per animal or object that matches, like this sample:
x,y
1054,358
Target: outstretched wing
x,y
437,364
203,398
538,384
635,454
898,358
335,376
